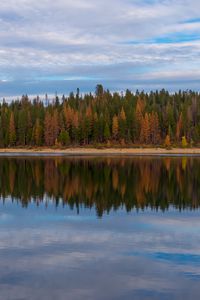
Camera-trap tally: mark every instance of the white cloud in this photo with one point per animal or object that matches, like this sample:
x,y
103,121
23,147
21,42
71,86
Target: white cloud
x,y
42,37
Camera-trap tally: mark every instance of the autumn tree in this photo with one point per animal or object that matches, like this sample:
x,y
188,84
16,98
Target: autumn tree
x,y
145,130
115,127
122,124
55,126
48,132
184,142
135,118
167,142
12,130
139,112
37,131
154,128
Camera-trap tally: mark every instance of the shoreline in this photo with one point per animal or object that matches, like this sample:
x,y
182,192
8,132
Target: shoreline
x,y
100,152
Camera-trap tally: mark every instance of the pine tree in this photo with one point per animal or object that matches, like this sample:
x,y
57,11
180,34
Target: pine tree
x,y
138,118
75,126
22,127
106,132
64,138
1,134
179,126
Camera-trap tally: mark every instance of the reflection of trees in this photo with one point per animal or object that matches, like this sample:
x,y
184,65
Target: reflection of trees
x,y
104,183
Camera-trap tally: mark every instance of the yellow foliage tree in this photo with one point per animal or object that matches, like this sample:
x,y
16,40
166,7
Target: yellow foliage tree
x,y
122,114
184,142
167,142
115,127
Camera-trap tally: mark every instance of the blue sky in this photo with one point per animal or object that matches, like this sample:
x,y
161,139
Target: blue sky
x,y
58,46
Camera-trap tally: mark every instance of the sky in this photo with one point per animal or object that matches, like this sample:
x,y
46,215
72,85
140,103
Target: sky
x,y
57,46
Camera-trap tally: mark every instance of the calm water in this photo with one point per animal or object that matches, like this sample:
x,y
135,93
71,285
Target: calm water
x,y
99,228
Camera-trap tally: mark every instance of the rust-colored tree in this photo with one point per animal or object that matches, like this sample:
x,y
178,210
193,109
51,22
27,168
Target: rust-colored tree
x,y
167,142
12,130
139,112
68,113
38,133
115,127
48,132
154,128
145,130
122,125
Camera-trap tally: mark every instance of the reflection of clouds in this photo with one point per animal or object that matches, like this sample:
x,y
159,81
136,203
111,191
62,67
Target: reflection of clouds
x,y
5,217
165,237
149,230
29,238
114,258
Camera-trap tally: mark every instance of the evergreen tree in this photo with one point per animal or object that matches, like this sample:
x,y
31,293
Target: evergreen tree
x,y
106,132
48,130
139,118
64,138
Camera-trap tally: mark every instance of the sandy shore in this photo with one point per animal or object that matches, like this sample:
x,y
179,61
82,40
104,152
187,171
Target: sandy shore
x,y
101,152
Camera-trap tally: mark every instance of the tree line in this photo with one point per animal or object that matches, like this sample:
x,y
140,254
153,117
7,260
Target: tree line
x,y
102,118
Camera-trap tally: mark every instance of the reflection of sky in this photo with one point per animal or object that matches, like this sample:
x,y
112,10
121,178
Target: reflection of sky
x,y
49,253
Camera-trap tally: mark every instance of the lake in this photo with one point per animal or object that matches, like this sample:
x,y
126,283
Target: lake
x,y
99,228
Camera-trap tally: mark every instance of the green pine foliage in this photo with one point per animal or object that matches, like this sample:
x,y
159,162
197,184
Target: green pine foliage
x,y
134,118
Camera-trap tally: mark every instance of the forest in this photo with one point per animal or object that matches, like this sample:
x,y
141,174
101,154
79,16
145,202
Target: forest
x,y
102,118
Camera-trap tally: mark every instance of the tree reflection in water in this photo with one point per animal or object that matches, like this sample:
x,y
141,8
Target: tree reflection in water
x,y
103,183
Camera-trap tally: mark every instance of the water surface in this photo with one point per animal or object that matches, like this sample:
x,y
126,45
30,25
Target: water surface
x,y
93,228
